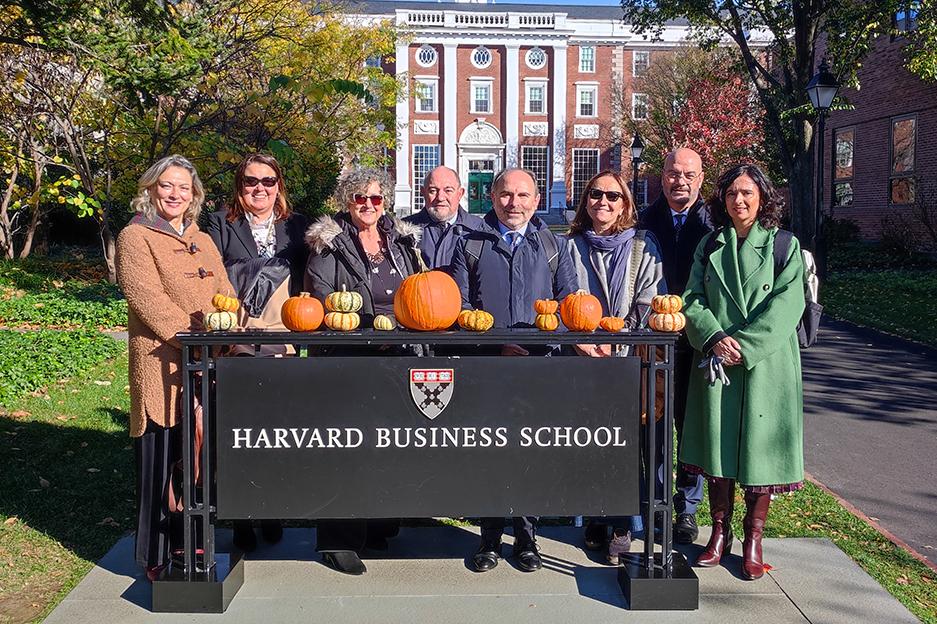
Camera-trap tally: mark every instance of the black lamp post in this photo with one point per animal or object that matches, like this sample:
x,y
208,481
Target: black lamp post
x,y
637,148
822,90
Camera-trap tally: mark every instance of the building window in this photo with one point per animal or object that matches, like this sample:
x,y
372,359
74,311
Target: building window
x,y
425,95
586,100
640,61
481,96
535,58
843,150
906,18
373,62
585,165
481,57
901,184
536,158
426,56
425,159
639,106
587,59
536,98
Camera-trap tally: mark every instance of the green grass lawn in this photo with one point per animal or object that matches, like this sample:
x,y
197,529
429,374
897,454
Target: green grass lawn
x,y
897,301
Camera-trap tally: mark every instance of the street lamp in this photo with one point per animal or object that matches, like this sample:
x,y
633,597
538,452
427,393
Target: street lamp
x,y
637,148
822,90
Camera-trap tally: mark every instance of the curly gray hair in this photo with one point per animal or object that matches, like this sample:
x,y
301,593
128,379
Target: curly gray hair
x,y
357,181
143,203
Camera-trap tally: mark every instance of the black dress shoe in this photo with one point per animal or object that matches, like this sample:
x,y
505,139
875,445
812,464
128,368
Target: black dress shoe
x,y
528,559
685,530
486,557
596,534
271,530
244,537
345,561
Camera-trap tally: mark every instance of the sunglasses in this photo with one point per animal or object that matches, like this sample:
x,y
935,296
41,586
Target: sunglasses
x,y
376,200
611,196
251,181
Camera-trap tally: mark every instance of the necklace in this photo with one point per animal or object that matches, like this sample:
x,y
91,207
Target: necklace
x,y
376,258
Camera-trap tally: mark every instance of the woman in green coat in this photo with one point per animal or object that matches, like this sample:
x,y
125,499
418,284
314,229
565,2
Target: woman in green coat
x,y
742,310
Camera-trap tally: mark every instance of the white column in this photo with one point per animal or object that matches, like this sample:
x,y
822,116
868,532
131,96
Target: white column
x,y
450,136
558,114
511,99
402,190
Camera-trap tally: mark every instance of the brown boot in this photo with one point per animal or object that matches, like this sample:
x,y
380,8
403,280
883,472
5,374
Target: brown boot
x,y
756,512
721,500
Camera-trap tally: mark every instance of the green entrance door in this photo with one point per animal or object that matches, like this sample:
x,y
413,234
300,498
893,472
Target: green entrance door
x,y
479,191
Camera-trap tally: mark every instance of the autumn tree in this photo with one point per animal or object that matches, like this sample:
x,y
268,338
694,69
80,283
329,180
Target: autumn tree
x,y
700,99
780,76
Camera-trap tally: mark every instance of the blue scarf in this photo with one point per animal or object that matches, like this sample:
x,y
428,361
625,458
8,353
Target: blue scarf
x,y
620,246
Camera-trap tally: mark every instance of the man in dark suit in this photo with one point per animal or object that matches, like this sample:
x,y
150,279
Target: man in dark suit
x,y
679,219
442,219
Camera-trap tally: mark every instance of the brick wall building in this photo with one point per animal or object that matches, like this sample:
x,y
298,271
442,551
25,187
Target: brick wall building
x,y
883,153
537,86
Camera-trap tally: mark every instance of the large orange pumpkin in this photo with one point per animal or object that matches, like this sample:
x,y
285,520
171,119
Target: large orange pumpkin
x,y
667,322
427,301
581,311
302,313
666,304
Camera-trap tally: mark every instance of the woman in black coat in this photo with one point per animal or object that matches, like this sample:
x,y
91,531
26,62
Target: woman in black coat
x,y
258,222
260,238
369,252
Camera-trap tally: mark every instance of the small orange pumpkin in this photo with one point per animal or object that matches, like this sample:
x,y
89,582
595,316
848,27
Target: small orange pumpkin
x,y
666,304
547,322
581,311
476,320
612,324
667,322
302,313
223,303
427,301
546,306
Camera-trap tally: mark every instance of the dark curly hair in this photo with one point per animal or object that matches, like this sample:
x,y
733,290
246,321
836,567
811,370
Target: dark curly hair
x,y
770,208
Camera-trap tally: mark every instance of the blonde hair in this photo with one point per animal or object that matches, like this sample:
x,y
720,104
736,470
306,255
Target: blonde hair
x,y
143,202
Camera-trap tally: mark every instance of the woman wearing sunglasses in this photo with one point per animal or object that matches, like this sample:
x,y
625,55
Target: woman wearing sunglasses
x,y
258,222
620,265
261,243
362,248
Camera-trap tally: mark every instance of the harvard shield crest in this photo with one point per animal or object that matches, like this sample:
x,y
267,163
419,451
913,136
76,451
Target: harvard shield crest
x,y
431,389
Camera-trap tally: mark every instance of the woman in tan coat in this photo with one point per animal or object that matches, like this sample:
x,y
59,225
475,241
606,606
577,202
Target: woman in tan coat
x,y
169,271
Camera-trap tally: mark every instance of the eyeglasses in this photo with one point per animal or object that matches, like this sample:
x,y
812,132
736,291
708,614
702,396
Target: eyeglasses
x,y
676,175
612,196
251,181
376,200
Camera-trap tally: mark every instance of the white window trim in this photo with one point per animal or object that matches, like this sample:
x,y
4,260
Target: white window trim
x,y
594,88
528,84
634,65
634,99
546,59
432,81
491,57
420,49
481,81
594,54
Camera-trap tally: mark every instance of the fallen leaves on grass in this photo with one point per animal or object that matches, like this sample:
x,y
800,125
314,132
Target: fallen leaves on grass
x,y
44,483
10,521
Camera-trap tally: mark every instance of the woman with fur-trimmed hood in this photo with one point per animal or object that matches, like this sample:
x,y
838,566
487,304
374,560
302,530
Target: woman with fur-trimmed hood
x,y
368,252
362,247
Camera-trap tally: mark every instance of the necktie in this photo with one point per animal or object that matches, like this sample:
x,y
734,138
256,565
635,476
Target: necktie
x,y
678,220
514,239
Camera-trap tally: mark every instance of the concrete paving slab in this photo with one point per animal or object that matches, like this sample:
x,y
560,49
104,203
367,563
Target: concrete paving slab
x,y
423,577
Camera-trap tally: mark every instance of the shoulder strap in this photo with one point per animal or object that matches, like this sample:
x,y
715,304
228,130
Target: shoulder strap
x,y
473,251
782,248
550,248
637,252
710,245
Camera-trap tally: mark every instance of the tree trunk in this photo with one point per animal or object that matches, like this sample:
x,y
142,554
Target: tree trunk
x,y
800,183
35,203
109,245
6,226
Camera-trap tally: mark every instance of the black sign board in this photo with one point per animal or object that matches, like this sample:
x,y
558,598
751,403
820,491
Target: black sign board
x,y
358,437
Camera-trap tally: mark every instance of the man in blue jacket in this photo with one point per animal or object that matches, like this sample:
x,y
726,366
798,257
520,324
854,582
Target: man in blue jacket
x,y
442,219
502,268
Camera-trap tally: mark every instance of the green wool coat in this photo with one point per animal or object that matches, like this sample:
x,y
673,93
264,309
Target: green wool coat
x,y
752,429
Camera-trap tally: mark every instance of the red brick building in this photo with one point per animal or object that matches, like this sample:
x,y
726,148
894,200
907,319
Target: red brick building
x,y
882,155
538,86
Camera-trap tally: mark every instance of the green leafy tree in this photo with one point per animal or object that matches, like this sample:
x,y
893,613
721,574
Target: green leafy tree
x,y
922,53
781,73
